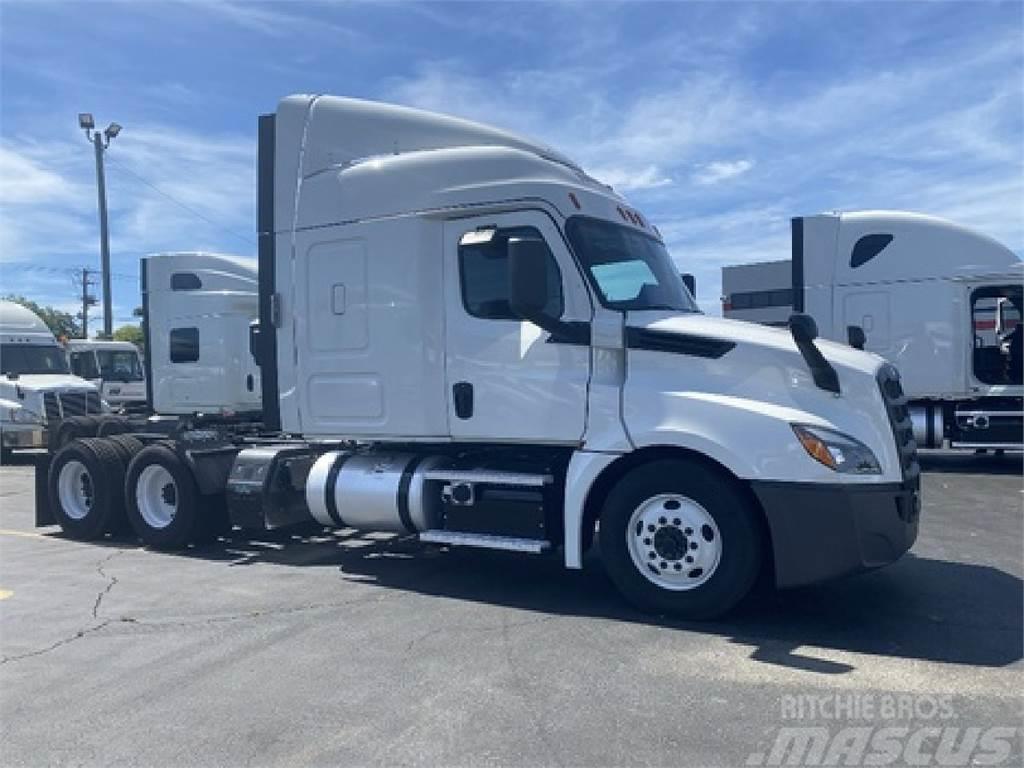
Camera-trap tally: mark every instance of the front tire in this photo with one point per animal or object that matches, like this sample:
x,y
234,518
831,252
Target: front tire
x,y
680,538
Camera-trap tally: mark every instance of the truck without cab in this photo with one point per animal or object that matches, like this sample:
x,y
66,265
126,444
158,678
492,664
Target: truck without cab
x,y
464,337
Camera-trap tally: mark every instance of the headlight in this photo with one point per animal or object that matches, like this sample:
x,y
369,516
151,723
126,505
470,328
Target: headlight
x,y
23,416
837,451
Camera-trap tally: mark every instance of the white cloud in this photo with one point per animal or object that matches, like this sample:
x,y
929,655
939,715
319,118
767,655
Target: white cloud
x,y
721,170
630,179
23,181
49,224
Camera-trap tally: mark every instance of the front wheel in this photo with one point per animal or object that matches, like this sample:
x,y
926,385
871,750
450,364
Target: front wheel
x,y
680,538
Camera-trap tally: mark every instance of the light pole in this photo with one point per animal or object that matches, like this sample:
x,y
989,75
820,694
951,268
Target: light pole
x,y
100,141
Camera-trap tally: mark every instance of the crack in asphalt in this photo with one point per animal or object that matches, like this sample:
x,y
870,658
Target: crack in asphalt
x,y
110,584
80,633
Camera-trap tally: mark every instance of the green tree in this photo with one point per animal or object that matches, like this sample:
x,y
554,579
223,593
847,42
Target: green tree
x,y
132,333
59,322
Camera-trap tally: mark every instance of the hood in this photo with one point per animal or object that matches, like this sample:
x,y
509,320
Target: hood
x,y
47,382
748,334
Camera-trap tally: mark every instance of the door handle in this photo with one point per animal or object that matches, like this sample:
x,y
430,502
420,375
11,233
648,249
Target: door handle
x,y
462,397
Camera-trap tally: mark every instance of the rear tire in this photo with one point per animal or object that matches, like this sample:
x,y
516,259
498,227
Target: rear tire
x,y
73,428
680,538
85,485
126,446
162,499
112,425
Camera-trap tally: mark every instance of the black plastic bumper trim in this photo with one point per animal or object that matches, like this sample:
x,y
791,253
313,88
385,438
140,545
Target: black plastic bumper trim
x,y
821,531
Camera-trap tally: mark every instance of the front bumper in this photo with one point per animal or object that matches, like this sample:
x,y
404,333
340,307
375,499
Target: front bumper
x,y
22,436
821,531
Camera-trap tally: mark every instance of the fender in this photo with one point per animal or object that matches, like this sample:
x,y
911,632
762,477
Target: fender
x,y
585,467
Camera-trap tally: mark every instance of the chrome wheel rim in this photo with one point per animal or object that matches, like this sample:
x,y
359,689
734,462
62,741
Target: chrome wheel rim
x,y
75,490
156,494
673,542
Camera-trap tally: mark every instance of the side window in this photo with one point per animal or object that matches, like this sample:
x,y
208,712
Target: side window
x,y
84,364
185,281
483,272
184,345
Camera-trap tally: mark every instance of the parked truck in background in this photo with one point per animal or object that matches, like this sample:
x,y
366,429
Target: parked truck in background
x,y
114,367
465,338
197,311
940,301
37,389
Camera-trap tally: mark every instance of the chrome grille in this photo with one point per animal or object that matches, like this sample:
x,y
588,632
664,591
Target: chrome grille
x,y
51,406
899,420
61,405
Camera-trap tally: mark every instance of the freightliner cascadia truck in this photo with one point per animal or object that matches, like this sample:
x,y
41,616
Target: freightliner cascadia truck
x,y
465,338
940,301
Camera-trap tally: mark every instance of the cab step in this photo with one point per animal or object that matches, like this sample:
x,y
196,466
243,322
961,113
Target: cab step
x,y
486,541
489,477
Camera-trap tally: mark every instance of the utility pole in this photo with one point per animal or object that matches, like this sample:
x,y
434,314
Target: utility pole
x,y
100,141
87,299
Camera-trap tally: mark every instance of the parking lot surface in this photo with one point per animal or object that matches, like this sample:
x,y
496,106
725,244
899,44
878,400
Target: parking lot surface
x,y
339,648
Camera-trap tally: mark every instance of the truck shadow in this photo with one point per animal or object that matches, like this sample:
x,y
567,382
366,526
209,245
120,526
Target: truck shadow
x,y
969,463
918,608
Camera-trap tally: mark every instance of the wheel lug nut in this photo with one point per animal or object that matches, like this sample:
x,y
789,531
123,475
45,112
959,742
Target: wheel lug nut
x,y
663,520
647,542
688,531
688,559
676,521
693,545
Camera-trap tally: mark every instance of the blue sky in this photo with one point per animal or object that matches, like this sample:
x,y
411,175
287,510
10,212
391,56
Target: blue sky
x,y
720,121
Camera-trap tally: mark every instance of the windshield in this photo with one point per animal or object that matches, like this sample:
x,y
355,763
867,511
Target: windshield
x,y
630,270
32,358
119,365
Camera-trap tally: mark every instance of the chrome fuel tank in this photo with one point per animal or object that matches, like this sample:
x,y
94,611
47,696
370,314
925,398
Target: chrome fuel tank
x,y
375,491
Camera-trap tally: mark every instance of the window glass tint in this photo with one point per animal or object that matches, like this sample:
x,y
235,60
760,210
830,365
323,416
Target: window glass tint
x,y
996,317
483,268
119,365
184,345
624,280
185,281
84,364
782,297
32,358
631,270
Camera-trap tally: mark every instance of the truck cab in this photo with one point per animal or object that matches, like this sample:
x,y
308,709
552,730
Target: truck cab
x,y
465,338
427,281
37,388
114,367
197,311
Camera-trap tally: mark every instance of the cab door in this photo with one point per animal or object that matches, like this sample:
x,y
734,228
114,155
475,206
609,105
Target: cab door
x,y
507,379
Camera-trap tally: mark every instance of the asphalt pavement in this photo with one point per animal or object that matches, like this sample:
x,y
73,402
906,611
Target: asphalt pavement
x,y
340,648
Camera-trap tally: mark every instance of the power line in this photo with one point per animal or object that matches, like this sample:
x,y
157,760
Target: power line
x,y
180,204
159,191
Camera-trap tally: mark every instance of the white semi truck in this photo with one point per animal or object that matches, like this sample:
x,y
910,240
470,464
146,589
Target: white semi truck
x,y
197,310
114,367
37,390
940,301
464,337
